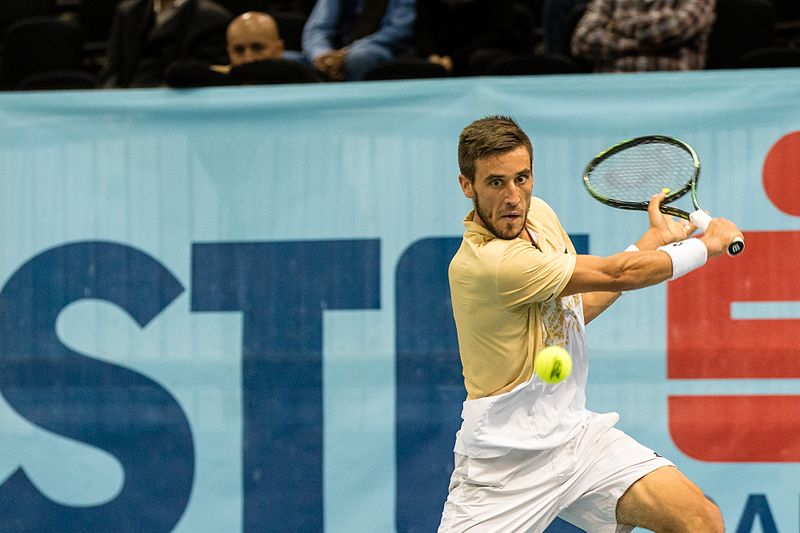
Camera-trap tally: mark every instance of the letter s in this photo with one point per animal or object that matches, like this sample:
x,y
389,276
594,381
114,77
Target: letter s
x,y
79,397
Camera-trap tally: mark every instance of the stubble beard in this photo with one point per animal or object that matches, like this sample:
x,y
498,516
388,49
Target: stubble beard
x,y
505,235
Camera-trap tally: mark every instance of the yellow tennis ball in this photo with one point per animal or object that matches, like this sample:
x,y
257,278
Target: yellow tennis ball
x,y
553,364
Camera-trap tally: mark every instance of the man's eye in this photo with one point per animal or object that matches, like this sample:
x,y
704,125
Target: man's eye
x,y
495,183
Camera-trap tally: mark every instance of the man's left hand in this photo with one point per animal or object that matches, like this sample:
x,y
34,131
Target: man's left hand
x,y
663,229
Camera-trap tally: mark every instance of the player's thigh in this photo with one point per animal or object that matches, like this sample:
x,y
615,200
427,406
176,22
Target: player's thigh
x,y
666,500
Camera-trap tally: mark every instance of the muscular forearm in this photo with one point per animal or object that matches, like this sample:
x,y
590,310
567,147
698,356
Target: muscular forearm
x,y
664,253
620,272
595,303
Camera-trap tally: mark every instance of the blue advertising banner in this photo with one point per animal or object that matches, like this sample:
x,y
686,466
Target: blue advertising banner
x,y
228,310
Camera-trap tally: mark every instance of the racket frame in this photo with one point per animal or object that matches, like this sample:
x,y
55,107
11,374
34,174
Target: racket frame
x,y
689,187
698,217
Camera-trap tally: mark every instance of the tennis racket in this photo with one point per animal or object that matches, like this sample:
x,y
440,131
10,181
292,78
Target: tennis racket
x,y
626,175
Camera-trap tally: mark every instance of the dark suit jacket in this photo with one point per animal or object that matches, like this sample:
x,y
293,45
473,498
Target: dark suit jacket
x,y
139,52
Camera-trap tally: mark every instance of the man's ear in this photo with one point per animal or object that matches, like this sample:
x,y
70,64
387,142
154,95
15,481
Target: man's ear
x,y
466,186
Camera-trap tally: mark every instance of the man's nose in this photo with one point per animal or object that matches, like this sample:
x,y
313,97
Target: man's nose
x,y
513,195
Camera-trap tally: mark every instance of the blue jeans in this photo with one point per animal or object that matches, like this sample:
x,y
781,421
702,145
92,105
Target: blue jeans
x,y
361,58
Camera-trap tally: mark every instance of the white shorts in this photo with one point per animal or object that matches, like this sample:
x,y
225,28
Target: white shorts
x,y
579,481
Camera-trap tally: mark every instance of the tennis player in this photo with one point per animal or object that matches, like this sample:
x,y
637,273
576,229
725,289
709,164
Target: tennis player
x,y
528,451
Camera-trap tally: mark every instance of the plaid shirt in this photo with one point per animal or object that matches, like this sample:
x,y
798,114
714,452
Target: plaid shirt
x,y
640,35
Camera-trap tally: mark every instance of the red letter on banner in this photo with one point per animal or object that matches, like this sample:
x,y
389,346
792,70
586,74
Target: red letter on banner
x,y
705,342
736,429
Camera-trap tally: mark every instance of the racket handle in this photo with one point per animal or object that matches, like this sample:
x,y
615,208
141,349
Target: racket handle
x,y
701,219
736,246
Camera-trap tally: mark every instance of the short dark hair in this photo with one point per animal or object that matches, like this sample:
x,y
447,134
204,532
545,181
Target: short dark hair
x,y
493,135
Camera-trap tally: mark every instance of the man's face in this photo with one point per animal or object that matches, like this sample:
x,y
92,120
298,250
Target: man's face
x,y
501,192
253,40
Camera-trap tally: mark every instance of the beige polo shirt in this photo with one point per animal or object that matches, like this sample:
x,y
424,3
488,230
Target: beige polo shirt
x,y
498,289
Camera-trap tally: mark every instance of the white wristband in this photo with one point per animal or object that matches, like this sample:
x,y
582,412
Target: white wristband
x,y
686,256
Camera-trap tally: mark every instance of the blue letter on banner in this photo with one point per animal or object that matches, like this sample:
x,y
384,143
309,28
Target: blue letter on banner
x,y
80,398
756,506
282,290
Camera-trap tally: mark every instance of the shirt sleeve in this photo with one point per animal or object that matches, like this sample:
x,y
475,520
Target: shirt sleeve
x,y
396,29
667,27
594,37
526,275
320,29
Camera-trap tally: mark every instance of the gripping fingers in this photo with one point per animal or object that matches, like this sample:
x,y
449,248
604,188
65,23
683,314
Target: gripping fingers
x,y
701,219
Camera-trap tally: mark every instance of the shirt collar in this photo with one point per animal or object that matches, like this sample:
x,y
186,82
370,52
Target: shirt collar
x,y
158,9
474,227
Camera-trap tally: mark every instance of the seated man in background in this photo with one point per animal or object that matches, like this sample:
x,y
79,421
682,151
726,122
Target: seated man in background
x,y
255,55
345,39
148,35
253,36
631,35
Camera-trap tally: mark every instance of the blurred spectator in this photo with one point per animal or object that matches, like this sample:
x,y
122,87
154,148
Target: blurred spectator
x,y
636,35
468,37
255,54
148,35
345,39
253,36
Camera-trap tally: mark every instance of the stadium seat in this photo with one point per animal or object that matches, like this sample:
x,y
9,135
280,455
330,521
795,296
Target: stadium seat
x,y
58,80
771,57
406,69
95,17
741,26
13,10
39,44
534,64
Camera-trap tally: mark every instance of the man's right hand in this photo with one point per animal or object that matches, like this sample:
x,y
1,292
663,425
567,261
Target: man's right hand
x,y
332,64
720,233
445,61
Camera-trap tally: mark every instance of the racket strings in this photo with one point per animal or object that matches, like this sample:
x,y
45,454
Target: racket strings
x,y
636,173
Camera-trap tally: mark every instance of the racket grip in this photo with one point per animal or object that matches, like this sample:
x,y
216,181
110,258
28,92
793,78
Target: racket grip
x,y
736,246
701,219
